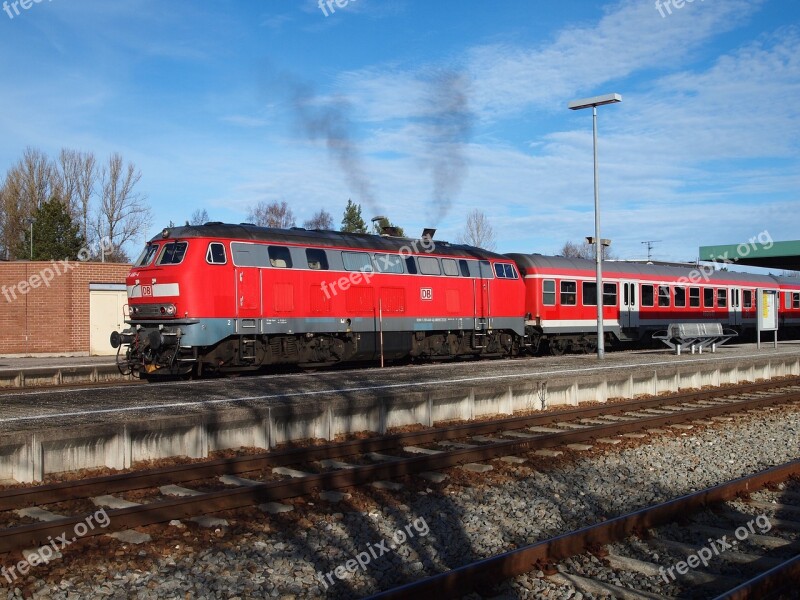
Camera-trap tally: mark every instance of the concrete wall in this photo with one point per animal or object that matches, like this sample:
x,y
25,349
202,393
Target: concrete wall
x,y
44,306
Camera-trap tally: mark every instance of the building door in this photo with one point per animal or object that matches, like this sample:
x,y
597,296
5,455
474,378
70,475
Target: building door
x,y
106,305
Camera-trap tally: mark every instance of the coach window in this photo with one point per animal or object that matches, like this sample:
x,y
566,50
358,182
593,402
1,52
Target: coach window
x,y
357,261
796,300
462,264
549,292
609,294
708,297
747,298
450,267
173,253
429,265
589,293
663,295
569,293
680,296
279,257
648,297
722,297
216,254
388,263
694,297
317,259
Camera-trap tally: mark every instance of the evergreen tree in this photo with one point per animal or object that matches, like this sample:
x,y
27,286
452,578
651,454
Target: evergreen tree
x,y
378,226
353,222
55,235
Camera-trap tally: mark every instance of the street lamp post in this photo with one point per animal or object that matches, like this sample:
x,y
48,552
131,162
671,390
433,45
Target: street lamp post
x,y
594,102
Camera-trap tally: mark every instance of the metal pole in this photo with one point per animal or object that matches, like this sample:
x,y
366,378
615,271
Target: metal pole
x,y
31,240
601,350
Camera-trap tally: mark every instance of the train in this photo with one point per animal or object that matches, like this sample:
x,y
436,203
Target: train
x,y
223,298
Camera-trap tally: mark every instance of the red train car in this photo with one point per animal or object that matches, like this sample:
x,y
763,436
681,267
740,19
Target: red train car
x,y
638,300
231,297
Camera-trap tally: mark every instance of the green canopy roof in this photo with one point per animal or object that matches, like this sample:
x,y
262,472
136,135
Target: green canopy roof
x,y
770,255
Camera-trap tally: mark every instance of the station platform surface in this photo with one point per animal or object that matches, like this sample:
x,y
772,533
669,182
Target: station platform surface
x,y
117,425
43,408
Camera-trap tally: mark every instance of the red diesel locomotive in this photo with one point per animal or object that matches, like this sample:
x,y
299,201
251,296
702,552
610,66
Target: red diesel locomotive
x,y
221,297
231,297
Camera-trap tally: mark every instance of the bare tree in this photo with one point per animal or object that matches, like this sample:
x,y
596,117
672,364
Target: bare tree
x,y
478,231
27,185
583,250
272,214
199,217
322,219
76,178
122,214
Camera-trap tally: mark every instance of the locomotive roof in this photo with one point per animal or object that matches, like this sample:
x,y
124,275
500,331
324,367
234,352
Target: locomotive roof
x,y
324,238
539,261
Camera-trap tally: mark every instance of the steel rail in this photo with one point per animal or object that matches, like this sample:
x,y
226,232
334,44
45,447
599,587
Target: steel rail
x,y
777,580
464,579
95,486
178,508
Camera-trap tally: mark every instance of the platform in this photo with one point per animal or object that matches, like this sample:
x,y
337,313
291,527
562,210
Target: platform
x,y
29,372
45,431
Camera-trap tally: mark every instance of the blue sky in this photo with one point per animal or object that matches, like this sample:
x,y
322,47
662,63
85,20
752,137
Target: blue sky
x,y
446,106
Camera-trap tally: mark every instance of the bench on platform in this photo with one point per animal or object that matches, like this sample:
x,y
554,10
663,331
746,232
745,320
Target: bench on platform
x,y
696,336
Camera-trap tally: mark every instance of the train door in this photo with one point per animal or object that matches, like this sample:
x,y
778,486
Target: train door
x,y
248,292
629,307
735,307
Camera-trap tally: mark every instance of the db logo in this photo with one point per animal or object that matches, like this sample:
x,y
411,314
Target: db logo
x,y
147,291
426,293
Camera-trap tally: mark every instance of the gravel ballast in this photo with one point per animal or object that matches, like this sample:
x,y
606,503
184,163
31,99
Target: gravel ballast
x,y
444,525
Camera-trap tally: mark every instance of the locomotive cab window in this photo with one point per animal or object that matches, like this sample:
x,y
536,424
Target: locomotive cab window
x,y
505,271
357,261
388,263
569,293
316,259
279,257
147,255
411,266
450,267
549,292
429,265
648,297
486,269
215,255
173,253
462,264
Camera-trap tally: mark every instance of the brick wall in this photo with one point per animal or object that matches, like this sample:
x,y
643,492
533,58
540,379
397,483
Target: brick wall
x,y
52,316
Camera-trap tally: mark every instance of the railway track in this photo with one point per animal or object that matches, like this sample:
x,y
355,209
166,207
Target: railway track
x,y
368,461
742,550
